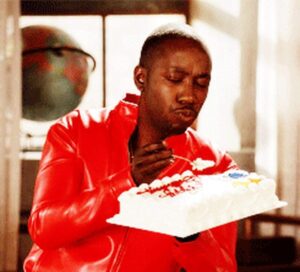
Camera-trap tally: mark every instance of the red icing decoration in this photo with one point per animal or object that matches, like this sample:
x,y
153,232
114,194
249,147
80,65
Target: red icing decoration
x,y
174,188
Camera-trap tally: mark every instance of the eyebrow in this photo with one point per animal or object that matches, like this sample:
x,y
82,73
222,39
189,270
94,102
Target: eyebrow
x,y
179,70
204,75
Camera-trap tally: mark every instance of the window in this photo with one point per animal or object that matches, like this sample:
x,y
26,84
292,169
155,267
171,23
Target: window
x,y
112,33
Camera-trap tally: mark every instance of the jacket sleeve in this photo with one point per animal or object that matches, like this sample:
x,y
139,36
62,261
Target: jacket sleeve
x,y
62,212
214,249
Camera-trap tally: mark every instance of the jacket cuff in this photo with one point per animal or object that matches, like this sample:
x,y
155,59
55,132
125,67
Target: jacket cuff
x,y
190,238
121,181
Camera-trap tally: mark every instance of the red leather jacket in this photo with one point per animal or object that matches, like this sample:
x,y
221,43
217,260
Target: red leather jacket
x,y
84,168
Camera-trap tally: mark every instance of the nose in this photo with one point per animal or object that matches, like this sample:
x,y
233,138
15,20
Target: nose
x,y
185,94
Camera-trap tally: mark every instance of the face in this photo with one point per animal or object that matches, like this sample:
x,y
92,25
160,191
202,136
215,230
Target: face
x,y
174,86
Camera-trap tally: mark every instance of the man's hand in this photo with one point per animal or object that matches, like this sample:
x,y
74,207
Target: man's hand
x,y
148,161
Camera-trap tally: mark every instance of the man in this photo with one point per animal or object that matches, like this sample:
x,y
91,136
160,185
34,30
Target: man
x,y
89,158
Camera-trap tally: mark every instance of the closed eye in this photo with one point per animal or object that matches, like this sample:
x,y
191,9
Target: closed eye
x,y
201,85
202,82
175,79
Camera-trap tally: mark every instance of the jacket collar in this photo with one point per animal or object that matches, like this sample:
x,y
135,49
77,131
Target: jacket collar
x,y
128,108
124,116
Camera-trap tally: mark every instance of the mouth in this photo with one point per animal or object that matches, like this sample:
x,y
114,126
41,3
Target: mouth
x,y
186,114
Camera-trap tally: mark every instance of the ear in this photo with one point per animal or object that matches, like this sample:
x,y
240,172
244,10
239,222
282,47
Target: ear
x,y
139,77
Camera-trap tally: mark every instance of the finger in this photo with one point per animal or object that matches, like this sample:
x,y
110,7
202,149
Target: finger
x,y
156,147
151,149
156,167
154,157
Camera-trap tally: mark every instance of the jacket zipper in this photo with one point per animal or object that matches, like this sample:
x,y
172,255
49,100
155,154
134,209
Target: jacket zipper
x,y
121,251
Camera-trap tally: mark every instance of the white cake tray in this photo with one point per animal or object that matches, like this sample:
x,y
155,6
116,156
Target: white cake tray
x,y
184,229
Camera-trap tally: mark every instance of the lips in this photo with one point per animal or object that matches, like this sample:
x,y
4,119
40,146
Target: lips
x,y
186,113
187,110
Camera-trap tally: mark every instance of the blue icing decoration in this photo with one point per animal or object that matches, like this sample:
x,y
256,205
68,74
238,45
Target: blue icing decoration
x,y
238,174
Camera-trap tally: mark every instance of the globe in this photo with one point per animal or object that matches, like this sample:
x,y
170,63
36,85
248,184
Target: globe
x,y
55,72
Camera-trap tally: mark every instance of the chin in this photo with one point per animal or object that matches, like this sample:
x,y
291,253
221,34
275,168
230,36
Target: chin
x,y
177,131
175,128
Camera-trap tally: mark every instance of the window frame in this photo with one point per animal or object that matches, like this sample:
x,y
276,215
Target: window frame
x,y
104,8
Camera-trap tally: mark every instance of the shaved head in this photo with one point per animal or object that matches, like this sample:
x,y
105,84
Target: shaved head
x,y
154,43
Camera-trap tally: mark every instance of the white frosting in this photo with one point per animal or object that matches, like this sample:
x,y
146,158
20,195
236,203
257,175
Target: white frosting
x,y
200,164
185,204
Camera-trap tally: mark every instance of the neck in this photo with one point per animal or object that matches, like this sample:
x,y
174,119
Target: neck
x,y
144,135
146,132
